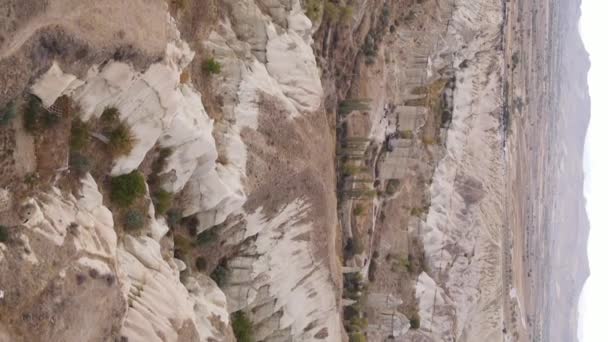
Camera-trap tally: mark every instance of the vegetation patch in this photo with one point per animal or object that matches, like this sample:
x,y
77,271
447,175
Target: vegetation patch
x,y
4,233
242,327
79,135
392,186
350,105
350,169
163,200
201,264
110,115
36,117
125,189
221,274
359,210
338,14
415,321
8,113
208,236
357,337
314,9
211,66
79,164
133,220
121,140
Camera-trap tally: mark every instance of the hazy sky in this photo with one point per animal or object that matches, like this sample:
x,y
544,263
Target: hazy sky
x,y
593,325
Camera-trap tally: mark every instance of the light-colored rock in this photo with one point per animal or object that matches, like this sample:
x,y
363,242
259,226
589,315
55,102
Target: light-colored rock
x,y
161,308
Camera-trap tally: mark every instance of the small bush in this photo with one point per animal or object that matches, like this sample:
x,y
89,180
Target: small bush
x,y
392,186
183,246
207,237
191,223
407,134
3,233
49,119
211,66
163,200
346,14
242,327
314,9
160,163
332,12
127,188
415,321
372,270
133,220
110,115
359,209
121,140
221,273
173,218
357,337
351,169
8,113
31,114
79,164
179,4
201,264
348,106
79,135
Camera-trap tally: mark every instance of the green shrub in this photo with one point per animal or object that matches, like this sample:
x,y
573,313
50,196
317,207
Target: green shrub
x,y
3,233
392,186
179,4
173,218
372,270
314,9
346,14
357,337
79,164
351,169
211,66
163,200
8,113
191,223
31,114
332,12
133,220
183,245
221,273
121,140
201,264
359,209
348,106
110,115
242,327
127,188
415,321
79,135
49,119
206,237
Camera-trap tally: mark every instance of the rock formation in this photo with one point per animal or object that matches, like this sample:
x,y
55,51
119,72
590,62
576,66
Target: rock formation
x,y
311,170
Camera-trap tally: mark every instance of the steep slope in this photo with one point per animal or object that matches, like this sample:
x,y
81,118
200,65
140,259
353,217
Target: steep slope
x,y
279,210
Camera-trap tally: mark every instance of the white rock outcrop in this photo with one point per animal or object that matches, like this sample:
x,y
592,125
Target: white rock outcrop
x,y
463,231
273,61
160,307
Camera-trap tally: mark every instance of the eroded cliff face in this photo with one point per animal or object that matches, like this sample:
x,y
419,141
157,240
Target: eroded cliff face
x,y
434,250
